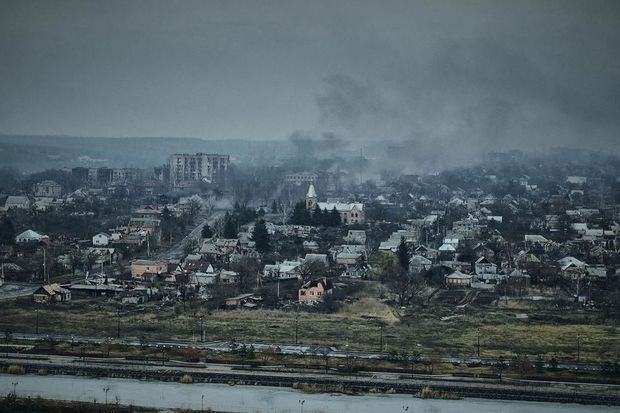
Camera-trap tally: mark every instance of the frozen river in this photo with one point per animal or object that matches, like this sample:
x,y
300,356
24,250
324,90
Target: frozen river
x,y
223,397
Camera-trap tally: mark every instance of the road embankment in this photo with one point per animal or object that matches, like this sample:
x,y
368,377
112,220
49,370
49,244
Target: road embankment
x,y
360,383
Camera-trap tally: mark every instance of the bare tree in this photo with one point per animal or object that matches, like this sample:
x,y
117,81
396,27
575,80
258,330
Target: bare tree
x,y
405,285
312,269
247,268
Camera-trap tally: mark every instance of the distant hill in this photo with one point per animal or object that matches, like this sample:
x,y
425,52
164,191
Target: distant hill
x,y
35,153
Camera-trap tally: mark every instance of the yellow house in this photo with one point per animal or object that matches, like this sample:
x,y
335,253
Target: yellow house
x,y
141,267
458,280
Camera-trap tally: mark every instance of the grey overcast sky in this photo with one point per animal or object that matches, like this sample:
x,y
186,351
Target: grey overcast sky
x,y
494,73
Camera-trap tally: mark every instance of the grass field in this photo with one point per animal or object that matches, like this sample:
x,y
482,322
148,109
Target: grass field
x,y
357,326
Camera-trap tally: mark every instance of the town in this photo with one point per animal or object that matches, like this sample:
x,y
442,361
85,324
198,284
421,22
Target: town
x,y
513,259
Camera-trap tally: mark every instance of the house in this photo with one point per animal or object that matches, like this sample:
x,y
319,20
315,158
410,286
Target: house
x,y
207,277
314,290
484,266
141,267
535,239
195,263
51,293
458,280
320,258
102,255
310,246
17,202
350,213
47,189
220,249
572,268
145,226
28,236
101,240
356,236
418,263
285,270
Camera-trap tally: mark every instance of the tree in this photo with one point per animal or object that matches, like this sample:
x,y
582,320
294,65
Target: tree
x,y
206,231
334,217
247,269
405,285
384,265
318,218
312,269
261,236
403,255
7,231
274,207
300,215
522,365
230,227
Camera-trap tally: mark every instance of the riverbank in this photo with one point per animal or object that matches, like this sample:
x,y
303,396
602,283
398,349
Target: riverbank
x,y
366,383
244,398
12,404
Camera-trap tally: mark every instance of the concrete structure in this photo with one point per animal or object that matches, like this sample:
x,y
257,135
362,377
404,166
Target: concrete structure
x,y
198,167
300,178
47,189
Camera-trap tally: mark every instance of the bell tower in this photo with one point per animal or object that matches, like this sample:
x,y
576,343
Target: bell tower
x,y
311,198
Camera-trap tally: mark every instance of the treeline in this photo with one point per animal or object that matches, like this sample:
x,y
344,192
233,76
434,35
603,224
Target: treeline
x,y
241,215
318,217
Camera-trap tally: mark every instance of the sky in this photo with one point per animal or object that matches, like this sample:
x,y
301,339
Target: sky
x,y
438,75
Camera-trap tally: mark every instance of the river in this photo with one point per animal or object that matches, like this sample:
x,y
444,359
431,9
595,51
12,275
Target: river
x,y
223,397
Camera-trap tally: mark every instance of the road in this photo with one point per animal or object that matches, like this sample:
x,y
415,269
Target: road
x,y
269,375
178,250
299,349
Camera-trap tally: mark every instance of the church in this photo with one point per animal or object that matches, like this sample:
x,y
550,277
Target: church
x,y
350,213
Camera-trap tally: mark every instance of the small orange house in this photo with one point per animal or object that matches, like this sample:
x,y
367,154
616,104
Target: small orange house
x,y
314,290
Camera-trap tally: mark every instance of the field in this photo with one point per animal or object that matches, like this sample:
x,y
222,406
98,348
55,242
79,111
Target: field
x,y
358,325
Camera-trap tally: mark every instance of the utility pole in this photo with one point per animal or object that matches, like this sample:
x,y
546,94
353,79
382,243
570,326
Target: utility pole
x,y
381,339
44,266
296,327
118,323
202,331
36,311
578,346
478,343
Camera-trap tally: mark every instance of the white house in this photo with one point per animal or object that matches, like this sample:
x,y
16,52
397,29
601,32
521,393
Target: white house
x,y
101,240
28,236
19,202
484,266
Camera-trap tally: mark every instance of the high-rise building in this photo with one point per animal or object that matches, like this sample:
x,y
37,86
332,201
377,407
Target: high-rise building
x,y
197,167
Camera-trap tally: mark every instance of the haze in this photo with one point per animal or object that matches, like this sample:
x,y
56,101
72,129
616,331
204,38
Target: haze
x,y
441,75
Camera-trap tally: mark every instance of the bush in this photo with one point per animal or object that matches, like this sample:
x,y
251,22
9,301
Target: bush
x,y
186,379
15,369
428,393
42,372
